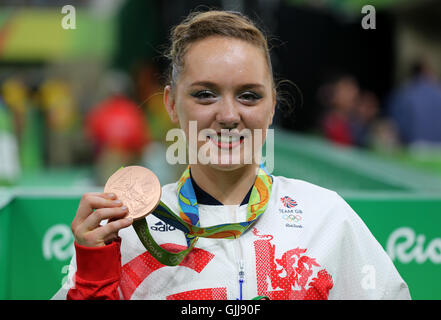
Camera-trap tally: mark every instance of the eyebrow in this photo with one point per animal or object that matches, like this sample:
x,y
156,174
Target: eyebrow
x,y
214,85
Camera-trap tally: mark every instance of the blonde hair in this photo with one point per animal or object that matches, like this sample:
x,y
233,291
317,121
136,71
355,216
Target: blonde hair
x,y
199,25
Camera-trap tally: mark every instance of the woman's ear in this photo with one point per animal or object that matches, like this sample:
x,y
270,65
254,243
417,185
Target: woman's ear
x,y
169,102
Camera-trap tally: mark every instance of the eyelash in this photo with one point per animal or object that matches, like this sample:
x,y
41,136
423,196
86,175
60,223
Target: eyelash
x,y
203,94
206,94
254,96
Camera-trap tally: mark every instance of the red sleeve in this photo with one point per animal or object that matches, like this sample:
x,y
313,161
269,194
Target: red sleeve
x,y
98,272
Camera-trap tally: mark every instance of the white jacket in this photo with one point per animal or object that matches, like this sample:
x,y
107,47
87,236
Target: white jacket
x,y
308,244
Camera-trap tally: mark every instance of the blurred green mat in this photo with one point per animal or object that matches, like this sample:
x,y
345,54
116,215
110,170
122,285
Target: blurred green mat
x,y
426,161
343,168
67,177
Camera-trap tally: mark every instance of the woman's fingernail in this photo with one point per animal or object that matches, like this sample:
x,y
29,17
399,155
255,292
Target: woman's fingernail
x,y
123,208
117,201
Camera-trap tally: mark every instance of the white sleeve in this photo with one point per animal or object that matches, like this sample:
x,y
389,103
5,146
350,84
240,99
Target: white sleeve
x,y
365,271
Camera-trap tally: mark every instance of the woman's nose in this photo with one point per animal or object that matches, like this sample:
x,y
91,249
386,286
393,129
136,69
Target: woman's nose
x,y
228,115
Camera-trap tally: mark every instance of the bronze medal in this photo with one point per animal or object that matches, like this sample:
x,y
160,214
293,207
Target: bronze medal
x,y
138,188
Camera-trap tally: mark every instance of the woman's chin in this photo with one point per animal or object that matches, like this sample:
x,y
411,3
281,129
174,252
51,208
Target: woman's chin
x,y
228,166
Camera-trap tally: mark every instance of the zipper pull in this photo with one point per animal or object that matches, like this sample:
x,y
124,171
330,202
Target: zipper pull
x,y
241,277
241,271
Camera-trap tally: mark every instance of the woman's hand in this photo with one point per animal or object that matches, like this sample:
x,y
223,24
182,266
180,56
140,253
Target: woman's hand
x,y
93,208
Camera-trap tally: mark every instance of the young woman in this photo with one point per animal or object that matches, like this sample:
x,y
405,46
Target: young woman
x,y
297,240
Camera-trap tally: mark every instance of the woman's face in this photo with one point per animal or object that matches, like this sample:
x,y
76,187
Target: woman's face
x,y
225,95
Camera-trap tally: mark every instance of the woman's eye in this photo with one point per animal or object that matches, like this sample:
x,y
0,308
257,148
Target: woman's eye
x,y
250,97
204,95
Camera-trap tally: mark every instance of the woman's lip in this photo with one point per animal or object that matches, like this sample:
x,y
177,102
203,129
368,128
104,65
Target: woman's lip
x,y
225,145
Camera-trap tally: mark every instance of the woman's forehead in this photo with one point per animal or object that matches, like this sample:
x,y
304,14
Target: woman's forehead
x,y
220,58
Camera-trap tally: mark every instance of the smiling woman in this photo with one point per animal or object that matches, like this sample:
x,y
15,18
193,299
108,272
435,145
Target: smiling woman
x,y
221,89
228,99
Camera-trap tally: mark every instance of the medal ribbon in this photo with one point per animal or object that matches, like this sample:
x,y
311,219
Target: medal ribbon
x,y
188,219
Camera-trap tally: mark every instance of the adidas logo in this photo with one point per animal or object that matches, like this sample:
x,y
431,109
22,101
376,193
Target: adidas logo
x,y
162,227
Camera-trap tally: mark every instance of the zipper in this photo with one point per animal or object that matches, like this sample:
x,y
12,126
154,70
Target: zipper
x,y
240,264
241,278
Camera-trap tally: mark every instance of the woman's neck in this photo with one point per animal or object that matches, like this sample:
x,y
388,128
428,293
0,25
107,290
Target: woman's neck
x,y
228,187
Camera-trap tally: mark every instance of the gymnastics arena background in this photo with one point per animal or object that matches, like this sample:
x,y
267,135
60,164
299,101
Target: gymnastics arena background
x,y
53,148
